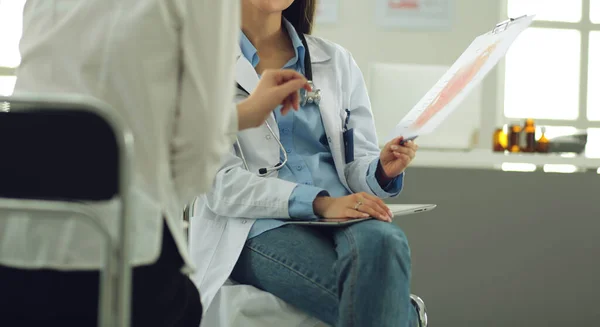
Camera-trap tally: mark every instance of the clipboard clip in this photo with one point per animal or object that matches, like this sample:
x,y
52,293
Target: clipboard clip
x,y
502,26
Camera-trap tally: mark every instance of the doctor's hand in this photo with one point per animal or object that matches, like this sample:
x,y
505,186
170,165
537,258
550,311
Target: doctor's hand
x,y
276,87
394,158
354,206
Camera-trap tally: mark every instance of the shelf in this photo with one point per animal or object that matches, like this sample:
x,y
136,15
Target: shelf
x,y
489,160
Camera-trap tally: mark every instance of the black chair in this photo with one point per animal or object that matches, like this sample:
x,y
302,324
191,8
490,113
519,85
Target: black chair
x,y
61,154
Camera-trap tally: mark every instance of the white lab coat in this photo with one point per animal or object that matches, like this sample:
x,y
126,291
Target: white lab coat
x,y
166,67
217,233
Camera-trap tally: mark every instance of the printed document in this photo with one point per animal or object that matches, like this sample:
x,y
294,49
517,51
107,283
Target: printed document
x,y
469,70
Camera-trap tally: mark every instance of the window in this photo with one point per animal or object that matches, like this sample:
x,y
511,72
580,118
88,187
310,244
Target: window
x,y
547,10
533,60
7,84
552,71
11,21
593,104
592,149
595,12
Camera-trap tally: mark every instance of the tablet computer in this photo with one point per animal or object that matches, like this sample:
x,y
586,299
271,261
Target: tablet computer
x,y
397,210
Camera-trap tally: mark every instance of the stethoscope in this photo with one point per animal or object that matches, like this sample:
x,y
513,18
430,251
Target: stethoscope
x,y
306,97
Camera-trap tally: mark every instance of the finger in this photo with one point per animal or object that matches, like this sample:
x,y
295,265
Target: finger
x,y
395,141
289,106
285,109
376,204
295,100
290,103
374,199
412,145
355,214
375,210
284,90
379,202
388,145
409,152
306,86
402,156
403,149
287,101
286,75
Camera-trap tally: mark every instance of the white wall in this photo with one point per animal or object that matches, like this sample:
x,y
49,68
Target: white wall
x,y
356,30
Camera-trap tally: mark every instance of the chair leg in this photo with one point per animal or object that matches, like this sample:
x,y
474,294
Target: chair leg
x,y
106,312
420,306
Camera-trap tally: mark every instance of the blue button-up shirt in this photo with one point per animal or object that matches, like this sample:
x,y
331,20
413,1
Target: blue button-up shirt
x,y
310,162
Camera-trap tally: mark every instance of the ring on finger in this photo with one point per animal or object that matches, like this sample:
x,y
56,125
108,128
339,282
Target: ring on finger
x,y
358,204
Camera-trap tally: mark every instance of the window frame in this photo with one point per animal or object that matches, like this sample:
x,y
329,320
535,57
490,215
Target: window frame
x,y
6,71
585,26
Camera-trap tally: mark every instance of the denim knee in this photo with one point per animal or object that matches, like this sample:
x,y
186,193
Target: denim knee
x,y
381,244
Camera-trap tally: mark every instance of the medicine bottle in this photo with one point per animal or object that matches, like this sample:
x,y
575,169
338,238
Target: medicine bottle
x,y
529,130
499,140
514,138
543,144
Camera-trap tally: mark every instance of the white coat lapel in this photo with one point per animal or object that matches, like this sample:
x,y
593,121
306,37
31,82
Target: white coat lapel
x,y
245,74
325,78
246,77
260,149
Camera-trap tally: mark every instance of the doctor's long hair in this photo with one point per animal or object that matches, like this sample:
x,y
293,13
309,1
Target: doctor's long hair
x,y
301,13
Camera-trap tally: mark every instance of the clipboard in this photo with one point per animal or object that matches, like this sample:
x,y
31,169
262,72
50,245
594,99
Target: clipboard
x,y
474,64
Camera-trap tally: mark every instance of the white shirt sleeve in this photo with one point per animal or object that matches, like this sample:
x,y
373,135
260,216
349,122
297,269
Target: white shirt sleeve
x,y
206,122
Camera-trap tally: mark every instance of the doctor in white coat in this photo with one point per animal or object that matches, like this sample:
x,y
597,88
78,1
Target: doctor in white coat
x,y
345,276
166,67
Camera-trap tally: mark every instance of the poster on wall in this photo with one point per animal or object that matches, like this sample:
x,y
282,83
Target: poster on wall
x,y
415,14
327,11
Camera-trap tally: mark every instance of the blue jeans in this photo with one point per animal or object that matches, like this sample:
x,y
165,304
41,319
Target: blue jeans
x,y
354,276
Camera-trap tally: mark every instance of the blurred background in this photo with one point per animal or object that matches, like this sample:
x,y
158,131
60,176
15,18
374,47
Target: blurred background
x,y
514,171
513,241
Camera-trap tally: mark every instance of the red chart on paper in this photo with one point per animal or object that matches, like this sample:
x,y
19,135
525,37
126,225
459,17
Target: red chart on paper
x,y
404,4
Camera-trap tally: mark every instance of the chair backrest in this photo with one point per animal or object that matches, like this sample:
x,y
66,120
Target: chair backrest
x,y
57,154
60,149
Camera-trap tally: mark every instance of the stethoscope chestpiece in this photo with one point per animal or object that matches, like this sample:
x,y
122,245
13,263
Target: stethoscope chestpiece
x,y
309,97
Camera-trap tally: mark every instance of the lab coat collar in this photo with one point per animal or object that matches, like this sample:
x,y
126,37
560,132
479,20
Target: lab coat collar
x,y
248,50
246,75
317,52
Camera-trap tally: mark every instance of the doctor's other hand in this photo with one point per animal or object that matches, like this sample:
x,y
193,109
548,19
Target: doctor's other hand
x,y
394,158
354,206
276,87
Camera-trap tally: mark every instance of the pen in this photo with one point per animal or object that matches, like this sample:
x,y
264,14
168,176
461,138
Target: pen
x,y
407,139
